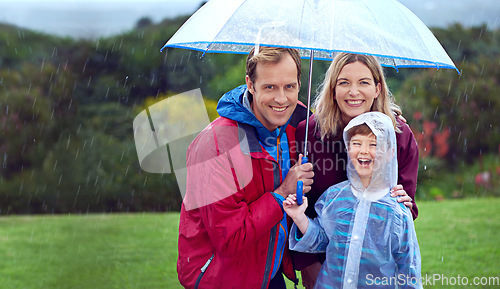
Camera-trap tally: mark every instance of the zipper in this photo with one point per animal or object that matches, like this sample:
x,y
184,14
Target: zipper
x,y
203,269
278,148
269,257
279,155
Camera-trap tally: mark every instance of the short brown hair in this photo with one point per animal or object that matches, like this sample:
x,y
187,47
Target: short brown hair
x,y
273,55
362,129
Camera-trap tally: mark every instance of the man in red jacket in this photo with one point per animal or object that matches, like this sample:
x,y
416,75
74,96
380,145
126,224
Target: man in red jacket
x,y
233,232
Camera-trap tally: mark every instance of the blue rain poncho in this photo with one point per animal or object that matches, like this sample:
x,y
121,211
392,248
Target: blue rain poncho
x,y
369,238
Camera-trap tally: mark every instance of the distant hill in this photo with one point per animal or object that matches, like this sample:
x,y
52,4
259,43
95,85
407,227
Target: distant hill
x,y
442,13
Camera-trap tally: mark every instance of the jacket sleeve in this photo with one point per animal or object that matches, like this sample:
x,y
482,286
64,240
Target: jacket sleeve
x,y
408,163
407,253
217,176
314,240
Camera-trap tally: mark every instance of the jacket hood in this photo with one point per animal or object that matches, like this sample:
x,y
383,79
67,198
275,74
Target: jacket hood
x,y
385,170
232,105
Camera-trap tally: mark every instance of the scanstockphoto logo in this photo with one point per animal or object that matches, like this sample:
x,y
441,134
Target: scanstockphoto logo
x,y
163,133
443,280
399,280
431,280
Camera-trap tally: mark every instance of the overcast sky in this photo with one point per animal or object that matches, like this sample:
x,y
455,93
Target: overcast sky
x,y
95,18
89,18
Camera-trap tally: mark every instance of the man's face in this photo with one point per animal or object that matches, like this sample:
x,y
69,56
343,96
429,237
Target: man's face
x,y
275,92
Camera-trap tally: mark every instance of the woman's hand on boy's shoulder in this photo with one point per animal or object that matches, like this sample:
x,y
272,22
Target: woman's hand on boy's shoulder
x,y
399,191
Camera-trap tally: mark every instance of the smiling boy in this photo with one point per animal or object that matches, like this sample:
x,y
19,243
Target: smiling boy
x,y
367,235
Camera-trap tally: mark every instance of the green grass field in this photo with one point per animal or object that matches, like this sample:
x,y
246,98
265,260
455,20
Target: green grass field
x,y
457,238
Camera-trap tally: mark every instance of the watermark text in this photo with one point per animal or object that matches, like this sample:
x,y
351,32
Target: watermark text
x,y
433,279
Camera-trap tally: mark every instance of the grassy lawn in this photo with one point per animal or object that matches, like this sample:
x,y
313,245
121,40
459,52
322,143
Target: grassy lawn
x,y
460,238
89,251
457,238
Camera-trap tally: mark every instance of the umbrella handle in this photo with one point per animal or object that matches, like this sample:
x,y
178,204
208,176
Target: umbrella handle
x,y
300,185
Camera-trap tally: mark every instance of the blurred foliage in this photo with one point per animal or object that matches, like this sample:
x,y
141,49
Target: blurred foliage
x,y
479,179
454,116
467,104
67,108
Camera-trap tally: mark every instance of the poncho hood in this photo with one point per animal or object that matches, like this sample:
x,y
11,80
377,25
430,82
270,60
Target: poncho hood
x,y
385,170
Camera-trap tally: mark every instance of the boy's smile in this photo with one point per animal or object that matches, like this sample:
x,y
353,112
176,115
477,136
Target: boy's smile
x,y
364,162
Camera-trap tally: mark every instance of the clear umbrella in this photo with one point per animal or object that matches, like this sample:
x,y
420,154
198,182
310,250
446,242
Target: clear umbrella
x,y
318,28
383,28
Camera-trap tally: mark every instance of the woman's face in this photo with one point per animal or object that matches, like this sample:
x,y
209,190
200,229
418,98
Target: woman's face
x,y
355,90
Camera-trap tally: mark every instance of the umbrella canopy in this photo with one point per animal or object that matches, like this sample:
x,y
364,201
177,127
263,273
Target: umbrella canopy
x,y
382,28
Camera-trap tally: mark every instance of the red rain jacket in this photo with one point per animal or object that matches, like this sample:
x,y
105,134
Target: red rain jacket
x,y
229,218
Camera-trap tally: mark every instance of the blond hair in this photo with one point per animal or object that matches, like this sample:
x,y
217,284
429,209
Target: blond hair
x,y
328,115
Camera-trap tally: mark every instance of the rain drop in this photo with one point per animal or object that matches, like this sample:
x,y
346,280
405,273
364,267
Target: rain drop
x,y
43,64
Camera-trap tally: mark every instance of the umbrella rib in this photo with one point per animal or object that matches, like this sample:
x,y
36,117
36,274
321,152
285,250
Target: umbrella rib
x,y
302,19
395,65
383,39
311,59
219,32
401,8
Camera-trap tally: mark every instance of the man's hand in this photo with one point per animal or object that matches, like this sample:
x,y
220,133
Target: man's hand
x,y
299,172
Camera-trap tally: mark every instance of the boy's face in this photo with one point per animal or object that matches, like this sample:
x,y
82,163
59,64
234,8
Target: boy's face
x,y
362,151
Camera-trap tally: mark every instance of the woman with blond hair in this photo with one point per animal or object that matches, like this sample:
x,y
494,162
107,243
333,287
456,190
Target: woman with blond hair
x,y
354,84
